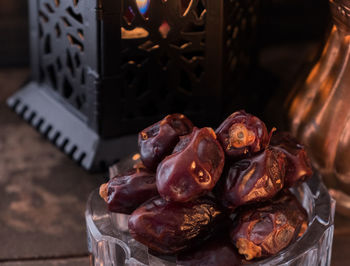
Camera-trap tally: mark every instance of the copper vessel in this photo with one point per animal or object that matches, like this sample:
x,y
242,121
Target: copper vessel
x,y
319,108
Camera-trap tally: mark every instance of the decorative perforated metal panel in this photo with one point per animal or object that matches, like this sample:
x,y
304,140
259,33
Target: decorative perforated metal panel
x,y
62,50
167,61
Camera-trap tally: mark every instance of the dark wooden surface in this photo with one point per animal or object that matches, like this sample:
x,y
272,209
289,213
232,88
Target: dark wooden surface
x,y
43,195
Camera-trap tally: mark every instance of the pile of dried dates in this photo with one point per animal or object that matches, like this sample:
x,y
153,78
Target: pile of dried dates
x,y
213,197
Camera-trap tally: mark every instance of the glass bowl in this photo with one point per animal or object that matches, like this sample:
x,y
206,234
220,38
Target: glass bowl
x,y
110,243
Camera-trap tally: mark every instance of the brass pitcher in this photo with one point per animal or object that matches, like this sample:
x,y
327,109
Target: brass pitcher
x,y
319,109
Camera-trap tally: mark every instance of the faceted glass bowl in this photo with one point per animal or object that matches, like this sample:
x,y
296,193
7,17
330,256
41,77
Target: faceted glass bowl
x,y
110,243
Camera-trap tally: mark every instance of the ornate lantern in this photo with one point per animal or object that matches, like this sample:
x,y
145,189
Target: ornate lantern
x,y
102,70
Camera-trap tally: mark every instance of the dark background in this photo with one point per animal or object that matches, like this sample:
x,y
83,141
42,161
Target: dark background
x,y
13,33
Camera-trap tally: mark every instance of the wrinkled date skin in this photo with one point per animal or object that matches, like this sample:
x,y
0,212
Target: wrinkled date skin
x,y
242,135
298,167
124,193
159,140
266,230
217,251
193,169
168,227
253,180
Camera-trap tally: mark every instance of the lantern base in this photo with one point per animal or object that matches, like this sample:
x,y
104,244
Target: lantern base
x,y
67,131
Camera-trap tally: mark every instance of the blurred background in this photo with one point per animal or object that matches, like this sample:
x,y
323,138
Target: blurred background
x,y
14,51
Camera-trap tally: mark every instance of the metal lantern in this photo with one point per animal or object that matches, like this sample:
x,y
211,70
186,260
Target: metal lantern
x,y
104,69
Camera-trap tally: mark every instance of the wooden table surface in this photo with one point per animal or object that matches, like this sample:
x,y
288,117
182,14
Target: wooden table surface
x,y
43,195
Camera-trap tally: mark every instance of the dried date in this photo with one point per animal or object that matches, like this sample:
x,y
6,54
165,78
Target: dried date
x,y
298,166
193,169
159,140
242,135
126,192
168,227
266,230
253,180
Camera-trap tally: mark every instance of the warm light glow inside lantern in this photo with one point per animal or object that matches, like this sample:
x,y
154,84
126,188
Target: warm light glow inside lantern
x,y
143,6
136,33
129,15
